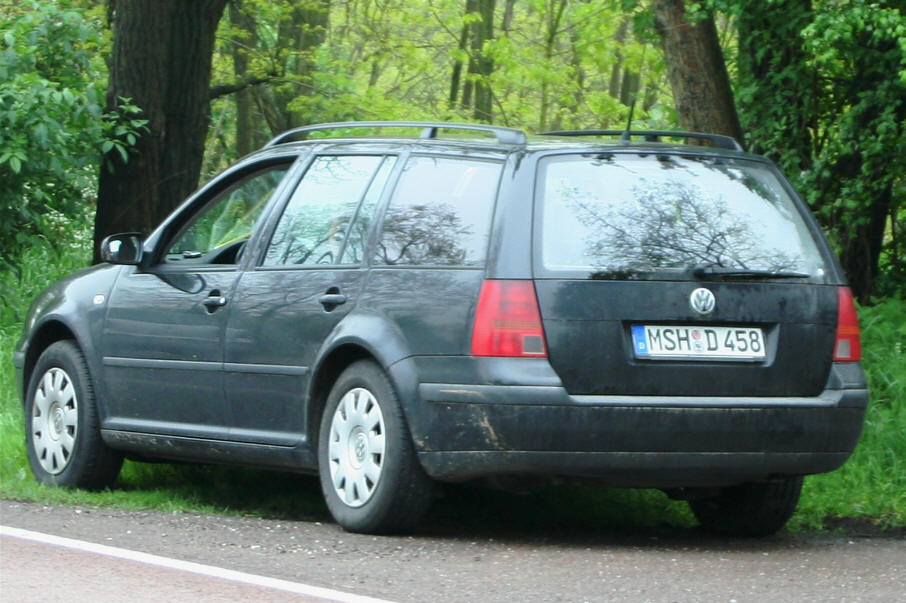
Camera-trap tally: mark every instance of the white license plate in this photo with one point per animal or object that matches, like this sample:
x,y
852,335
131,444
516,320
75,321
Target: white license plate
x,y
677,342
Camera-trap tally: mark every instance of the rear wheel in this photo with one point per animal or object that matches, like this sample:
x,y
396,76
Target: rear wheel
x,y
753,509
371,478
62,429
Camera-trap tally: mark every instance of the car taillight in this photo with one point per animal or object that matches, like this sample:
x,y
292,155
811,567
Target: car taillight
x,y
848,347
508,321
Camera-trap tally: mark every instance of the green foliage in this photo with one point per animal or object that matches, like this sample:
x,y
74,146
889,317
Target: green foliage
x,y
392,59
52,124
870,484
39,264
821,90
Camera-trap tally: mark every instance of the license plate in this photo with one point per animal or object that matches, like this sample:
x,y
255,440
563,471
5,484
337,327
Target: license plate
x,y
697,343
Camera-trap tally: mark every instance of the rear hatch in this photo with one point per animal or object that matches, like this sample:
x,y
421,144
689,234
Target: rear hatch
x,y
661,274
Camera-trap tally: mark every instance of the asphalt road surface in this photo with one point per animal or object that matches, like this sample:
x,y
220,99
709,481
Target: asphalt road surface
x,y
475,562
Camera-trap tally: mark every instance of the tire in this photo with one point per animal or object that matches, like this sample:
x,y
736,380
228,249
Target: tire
x,y
62,429
753,509
370,476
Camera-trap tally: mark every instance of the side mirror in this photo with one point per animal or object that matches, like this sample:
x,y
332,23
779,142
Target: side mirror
x,y
125,248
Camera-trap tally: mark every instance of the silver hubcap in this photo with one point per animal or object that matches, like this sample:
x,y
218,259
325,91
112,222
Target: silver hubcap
x,y
356,448
54,420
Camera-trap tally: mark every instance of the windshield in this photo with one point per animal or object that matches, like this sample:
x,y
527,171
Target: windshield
x,y
618,216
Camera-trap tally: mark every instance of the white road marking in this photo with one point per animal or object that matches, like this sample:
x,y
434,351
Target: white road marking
x,y
188,566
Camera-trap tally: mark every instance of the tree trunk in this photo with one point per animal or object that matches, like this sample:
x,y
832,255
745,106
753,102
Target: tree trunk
x,y
456,76
862,250
619,39
303,32
629,89
507,23
245,24
476,93
161,60
696,69
552,18
484,65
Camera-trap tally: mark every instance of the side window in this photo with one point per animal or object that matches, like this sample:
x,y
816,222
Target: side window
x,y
217,234
358,234
315,222
440,213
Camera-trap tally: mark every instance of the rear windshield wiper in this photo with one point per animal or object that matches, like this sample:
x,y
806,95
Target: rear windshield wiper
x,y
618,274
701,271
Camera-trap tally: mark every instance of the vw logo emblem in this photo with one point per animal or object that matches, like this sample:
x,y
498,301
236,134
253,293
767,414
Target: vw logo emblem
x,y
702,301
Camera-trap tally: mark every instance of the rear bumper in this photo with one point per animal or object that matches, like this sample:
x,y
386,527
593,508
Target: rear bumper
x,y
637,446
466,431
631,469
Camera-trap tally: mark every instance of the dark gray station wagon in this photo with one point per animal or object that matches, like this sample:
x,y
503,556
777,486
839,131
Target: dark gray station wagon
x,y
395,312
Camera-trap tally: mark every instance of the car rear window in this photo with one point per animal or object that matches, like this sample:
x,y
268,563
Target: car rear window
x,y
625,216
440,213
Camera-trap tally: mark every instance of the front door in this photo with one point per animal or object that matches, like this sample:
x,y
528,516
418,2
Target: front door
x,y
163,333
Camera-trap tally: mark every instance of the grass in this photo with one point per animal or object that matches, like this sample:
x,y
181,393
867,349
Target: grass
x,y
869,488
872,484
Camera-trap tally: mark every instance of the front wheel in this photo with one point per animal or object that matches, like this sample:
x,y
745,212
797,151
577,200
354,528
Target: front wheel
x,y
62,429
752,509
371,478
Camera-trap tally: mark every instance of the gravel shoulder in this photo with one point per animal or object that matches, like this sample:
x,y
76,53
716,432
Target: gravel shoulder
x,y
482,562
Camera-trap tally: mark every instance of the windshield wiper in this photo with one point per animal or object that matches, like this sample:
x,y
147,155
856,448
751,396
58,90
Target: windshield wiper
x,y
704,271
617,274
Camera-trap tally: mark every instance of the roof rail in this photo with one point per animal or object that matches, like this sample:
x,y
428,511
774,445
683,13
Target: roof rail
x,y
718,140
429,130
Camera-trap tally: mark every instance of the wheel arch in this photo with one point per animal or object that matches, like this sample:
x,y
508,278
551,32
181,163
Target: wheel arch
x,y
361,336
47,334
326,374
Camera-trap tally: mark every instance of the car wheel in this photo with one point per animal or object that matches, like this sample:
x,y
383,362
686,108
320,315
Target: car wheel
x,y
371,478
62,430
753,509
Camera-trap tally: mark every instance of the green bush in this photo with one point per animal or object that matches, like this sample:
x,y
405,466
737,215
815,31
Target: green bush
x,y
53,127
870,484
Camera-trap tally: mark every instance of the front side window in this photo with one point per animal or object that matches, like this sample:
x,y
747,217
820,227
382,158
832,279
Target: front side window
x,y
313,227
217,234
440,213
619,216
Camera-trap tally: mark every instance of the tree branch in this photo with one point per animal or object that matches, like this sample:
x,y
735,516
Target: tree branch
x,y
238,86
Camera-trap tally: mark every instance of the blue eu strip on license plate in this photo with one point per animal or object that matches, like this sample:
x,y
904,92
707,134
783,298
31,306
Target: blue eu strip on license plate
x,y
693,342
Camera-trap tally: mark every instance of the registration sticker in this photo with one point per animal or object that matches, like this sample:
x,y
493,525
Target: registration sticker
x,y
683,342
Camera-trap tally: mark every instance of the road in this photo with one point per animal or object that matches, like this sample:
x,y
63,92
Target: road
x,y
478,562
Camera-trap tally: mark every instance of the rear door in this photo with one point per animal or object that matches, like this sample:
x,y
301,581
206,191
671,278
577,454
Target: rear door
x,y
306,281
670,275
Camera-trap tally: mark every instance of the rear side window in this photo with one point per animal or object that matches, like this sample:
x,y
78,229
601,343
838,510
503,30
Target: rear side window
x,y
618,216
314,224
354,253
440,213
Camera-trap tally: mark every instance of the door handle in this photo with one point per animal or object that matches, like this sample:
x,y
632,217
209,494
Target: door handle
x,y
214,301
332,300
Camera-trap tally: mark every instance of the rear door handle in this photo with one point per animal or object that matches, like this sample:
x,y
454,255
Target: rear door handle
x,y
332,298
